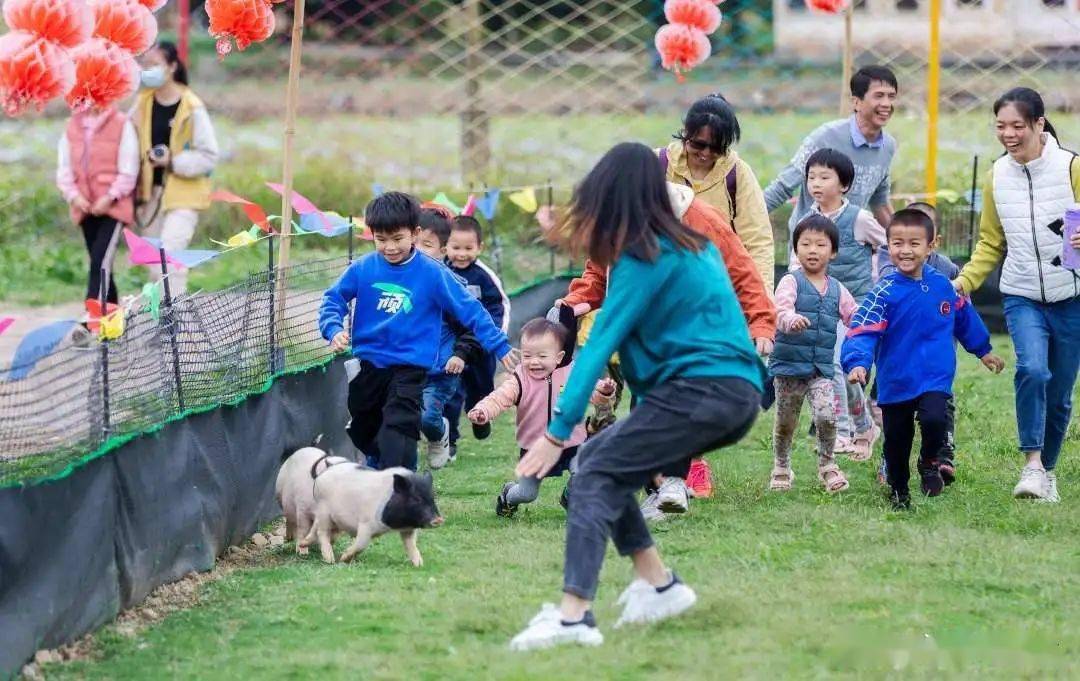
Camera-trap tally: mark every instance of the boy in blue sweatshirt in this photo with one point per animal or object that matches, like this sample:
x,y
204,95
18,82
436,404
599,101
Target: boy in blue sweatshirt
x,y
400,298
463,249
906,324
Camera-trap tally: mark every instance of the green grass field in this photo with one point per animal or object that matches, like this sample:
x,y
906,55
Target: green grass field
x,y
797,585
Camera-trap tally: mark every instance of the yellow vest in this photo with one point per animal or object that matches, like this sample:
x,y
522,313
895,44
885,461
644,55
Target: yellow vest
x,y
179,192
585,325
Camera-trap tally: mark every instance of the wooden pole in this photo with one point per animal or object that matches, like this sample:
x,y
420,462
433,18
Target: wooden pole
x,y
933,92
849,59
291,96
475,124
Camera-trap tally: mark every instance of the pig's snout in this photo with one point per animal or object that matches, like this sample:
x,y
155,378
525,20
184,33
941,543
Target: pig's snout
x,y
437,521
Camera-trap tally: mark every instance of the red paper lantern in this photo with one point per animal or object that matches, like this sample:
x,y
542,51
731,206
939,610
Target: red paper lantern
x,y
104,74
827,6
242,21
703,15
682,47
64,22
128,23
32,71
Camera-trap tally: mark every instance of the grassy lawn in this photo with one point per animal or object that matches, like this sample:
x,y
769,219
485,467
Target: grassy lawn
x,y
796,585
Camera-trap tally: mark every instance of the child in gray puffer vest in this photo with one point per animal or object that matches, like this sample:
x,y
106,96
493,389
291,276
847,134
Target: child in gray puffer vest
x,y
810,305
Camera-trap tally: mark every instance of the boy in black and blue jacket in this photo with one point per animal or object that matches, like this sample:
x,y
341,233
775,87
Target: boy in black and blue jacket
x,y
401,297
463,249
906,325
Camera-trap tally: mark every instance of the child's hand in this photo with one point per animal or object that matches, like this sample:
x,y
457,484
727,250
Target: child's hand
x,y
764,346
958,286
80,204
510,360
478,416
799,324
1074,240
857,375
455,365
992,362
340,341
102,205
540,458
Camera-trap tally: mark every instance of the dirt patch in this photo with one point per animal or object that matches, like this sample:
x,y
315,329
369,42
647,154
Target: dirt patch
x,y
259,551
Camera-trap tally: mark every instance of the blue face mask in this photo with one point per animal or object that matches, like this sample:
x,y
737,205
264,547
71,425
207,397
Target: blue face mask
x,y
152,78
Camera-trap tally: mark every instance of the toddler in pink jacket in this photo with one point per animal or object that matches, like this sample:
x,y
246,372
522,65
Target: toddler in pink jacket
x,y
534,388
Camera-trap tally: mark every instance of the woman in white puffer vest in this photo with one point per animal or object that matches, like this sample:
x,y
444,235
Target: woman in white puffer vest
x,y
1024,201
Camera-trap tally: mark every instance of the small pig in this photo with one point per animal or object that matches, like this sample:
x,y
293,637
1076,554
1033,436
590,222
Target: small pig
x,y
368,503
293,490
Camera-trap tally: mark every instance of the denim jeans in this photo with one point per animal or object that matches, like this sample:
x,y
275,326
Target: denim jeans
x,y
1047,340
439,390
853,415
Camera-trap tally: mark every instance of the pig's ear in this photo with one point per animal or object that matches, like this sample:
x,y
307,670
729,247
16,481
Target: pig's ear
x,y
401,484
427,478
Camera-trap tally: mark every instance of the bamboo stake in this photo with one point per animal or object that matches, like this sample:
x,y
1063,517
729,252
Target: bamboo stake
x,y
291,96
849,59
933,90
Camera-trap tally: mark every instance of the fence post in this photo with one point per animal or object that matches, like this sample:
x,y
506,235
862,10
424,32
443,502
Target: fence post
x,y
475,123
271,280
169,317
106,426
352,304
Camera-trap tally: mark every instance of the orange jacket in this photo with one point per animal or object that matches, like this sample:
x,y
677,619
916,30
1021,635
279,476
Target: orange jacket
x,y
757,305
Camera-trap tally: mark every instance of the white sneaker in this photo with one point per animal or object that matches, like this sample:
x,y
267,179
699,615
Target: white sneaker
x,y
1032,484
673,496
547,630
650,508
643,603
438,452
1050,492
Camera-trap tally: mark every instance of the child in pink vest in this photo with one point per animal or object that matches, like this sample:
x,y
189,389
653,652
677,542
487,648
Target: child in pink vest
x,y
97,165
534,388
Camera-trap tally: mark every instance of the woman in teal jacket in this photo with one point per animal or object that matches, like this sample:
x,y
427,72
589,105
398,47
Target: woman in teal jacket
x,y
672,315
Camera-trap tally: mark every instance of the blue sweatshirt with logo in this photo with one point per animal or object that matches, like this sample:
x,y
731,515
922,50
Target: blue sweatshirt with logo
x,y
399,310
907,327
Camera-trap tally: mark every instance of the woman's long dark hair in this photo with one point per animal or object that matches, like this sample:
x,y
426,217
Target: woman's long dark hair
x,y
1029,104
715,113
172,56
622,206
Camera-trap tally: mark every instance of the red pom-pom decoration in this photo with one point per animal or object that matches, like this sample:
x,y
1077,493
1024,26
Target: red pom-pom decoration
x,y
827,6
682,48
242,21
127,23
64,22
104,74
153,5
703,15
32,71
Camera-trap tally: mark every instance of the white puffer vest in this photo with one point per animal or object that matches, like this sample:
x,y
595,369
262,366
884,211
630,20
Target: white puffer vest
x,y
1028,198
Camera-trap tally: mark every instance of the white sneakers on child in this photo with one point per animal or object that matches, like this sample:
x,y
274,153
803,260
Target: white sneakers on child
x,y
1032,484
673,497
650,508
1050,494
643,603
438,451
546,630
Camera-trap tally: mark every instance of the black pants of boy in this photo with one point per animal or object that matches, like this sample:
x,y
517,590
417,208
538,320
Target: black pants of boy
x,y
898,419
385,405
99,233
675,422
477,382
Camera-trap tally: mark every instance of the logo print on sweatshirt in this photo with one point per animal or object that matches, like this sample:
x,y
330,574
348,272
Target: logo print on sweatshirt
x,y
393,298
945,308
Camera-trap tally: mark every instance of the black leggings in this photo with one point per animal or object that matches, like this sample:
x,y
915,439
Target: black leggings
x,y
899,423
98,231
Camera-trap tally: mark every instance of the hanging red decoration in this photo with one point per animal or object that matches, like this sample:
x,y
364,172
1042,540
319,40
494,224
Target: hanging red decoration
x,y
64,22
32,71
153,5
827,6
703,15
128,23
242,21
104,74
682,48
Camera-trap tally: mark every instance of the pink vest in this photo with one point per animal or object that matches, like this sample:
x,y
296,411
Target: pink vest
x,y
536,404
93,162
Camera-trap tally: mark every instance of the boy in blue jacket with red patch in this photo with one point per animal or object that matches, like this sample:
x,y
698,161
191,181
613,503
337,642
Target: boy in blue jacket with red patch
x,y
906,324
401,298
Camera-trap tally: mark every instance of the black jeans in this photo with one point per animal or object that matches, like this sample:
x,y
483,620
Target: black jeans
x,y
898,420
477,382
675,422
98,232
385,405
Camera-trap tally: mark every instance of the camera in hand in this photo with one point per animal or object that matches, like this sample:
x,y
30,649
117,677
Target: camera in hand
x,y
158,152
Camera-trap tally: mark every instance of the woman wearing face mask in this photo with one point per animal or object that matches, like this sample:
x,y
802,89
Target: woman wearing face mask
x,y
178,150
98,161
1024,201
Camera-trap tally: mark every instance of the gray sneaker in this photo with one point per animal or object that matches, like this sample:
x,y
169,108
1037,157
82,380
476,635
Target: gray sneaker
x,y
650,508
673,496
438,451
1032,484
1050,493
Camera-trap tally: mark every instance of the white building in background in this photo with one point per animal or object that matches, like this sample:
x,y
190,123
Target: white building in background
x,y
968,27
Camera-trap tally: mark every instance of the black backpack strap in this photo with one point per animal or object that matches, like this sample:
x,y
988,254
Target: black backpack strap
x,y
521,389
732,190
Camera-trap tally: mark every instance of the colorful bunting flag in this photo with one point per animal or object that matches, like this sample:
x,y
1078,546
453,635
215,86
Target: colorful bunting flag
x,y
525,199
240,239
152,293
443,200
329,224
112,325
545,215
144,251
377,189
5,322
35,346
254,212
489,203
470,206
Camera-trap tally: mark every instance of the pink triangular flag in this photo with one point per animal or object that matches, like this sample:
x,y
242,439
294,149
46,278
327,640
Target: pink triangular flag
x,y
142,252
301,203
470,206
5,322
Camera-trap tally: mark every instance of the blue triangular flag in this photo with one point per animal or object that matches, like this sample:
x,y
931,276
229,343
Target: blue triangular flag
x,y
489,203
334,225
35,346
377,189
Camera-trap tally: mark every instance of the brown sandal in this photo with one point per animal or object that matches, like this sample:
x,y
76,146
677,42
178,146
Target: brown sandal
x,y
833,479
781,479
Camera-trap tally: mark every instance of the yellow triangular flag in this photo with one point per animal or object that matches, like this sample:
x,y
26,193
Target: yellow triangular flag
x,y
112,325
525,199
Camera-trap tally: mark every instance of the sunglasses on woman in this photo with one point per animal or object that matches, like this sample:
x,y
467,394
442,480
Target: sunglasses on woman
x,y
699,146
